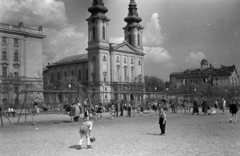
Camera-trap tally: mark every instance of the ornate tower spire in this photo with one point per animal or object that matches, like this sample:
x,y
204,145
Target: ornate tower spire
x,y
97,22
133,30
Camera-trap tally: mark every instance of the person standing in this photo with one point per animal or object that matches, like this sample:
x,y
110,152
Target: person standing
x,y
121,108
129,109
76,112
162,120
116,108
233,111
195,107
204,106
223,105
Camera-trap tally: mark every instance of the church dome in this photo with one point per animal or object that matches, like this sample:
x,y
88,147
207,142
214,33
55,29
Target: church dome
x,y
204,62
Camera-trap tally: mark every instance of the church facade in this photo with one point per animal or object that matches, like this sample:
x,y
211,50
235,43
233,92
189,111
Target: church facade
x,y
106,67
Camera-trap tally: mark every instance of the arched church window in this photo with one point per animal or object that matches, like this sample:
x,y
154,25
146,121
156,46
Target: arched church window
x,y
129,39
139,38
118,59
139,62
103,31
93,33
104,58
93,58
125,59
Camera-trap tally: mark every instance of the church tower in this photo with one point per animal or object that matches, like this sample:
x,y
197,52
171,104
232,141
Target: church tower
x,y
133,30
98,47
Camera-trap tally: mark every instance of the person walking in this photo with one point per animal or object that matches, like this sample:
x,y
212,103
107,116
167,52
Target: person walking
x,y
195,107
234,111
162,120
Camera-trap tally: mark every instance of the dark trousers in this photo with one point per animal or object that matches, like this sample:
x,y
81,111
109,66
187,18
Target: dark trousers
x,y
76,119
129,113
121,112
116,113
162,126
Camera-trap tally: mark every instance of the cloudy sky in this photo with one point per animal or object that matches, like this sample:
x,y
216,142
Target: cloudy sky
x,y
178,34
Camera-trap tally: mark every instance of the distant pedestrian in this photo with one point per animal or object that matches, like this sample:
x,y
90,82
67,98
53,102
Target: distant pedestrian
x,y
121,108
234,111
162,120
112,111
204,106
216,104
223,105
129,109
195,107
76,112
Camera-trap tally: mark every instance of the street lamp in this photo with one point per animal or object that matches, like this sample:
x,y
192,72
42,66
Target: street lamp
x,y
103,92
70,87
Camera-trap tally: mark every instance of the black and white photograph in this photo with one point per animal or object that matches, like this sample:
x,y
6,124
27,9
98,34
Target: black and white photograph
x,y
119,77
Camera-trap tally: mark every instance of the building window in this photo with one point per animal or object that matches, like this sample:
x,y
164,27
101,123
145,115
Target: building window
x,y
79,75
125,59
65,74
4,55
4,40
15,74
105,78
93,33
93,77
118,58
72,73
4,71
103,31
51,77
86,74
15,56
139,38
132,73
15,42
129,39
104,58
93,58
132,60
125,73
139,62
58,74
105,96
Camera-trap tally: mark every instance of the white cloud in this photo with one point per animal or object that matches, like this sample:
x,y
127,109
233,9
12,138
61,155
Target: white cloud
x,y
116,39
195,57
152,35
62,38
156,55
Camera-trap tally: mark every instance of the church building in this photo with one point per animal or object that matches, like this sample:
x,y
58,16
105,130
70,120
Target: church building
x,y
106,67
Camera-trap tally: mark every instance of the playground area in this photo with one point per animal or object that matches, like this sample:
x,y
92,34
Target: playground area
x,y
186,135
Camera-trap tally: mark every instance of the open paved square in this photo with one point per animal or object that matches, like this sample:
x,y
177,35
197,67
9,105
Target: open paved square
x,y
186,135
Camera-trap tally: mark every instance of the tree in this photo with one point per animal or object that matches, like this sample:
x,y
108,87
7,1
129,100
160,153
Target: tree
x,y
16,85
153,83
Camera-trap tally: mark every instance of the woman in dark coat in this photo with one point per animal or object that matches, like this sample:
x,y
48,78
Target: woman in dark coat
x,y
234,110
195,107
204,106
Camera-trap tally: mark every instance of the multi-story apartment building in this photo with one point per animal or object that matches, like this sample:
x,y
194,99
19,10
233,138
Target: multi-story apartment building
x,y
21,54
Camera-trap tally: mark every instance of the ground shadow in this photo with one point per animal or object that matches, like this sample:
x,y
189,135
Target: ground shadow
x,y
74,147
151,134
